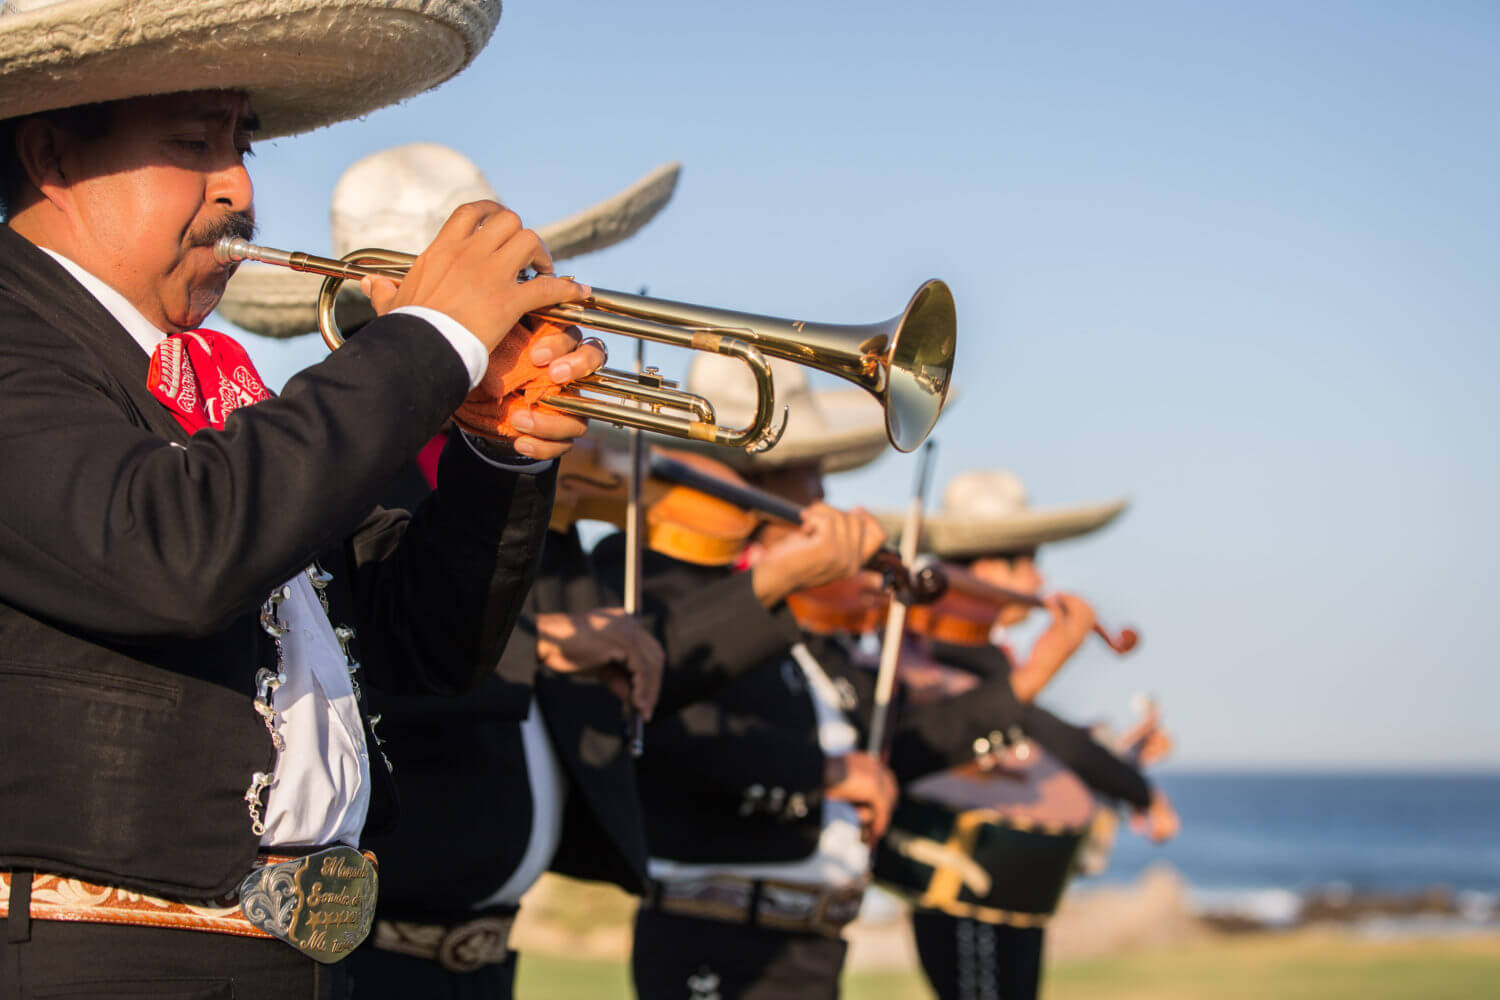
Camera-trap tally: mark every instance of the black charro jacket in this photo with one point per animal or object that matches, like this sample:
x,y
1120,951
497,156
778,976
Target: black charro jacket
x,y
736,776
461,768
1104,771
134,559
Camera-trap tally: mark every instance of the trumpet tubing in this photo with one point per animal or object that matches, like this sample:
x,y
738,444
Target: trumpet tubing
x,y
906,362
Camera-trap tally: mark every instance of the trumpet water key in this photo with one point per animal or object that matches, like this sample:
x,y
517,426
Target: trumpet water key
x,y
906,362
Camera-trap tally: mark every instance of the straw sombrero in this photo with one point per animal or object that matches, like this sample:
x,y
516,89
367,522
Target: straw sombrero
x,y
986,512
839,429
398,199
304,63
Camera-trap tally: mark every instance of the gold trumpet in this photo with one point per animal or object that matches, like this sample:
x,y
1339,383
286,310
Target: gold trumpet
x,y
905,362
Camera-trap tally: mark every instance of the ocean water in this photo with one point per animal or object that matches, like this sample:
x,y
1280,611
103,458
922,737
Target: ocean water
x,y
1256,843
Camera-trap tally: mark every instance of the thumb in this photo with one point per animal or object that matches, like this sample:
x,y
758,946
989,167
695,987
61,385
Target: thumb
x,y
381,291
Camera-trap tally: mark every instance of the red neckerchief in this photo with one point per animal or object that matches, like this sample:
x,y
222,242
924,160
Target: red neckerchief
x,y
427,458
202,376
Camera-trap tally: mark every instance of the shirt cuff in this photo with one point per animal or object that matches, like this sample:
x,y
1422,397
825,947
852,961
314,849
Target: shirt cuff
x,y
512,463
469,347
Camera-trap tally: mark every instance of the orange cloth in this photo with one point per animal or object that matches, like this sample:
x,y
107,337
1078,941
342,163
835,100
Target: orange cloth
x,y
510,381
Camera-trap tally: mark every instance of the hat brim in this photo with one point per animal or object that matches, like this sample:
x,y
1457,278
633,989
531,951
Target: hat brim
x,y
277,302
956,536
304,63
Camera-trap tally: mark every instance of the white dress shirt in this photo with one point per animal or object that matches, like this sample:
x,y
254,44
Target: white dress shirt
x,y
842,858
320,788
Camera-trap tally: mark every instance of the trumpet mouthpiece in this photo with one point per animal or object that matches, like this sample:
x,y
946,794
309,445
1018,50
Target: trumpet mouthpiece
x,y
232,250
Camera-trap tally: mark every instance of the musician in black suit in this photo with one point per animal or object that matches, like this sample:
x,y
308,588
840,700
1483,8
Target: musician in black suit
x,y
508,798
760,804
986,526
169,727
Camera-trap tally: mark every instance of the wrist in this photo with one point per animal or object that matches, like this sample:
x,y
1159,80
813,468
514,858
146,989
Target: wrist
x,y
770,584
835,770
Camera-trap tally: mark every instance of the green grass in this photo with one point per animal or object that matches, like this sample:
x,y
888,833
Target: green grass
x,y
1303,966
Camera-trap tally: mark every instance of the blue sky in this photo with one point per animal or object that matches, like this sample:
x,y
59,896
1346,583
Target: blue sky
x,y
1238,263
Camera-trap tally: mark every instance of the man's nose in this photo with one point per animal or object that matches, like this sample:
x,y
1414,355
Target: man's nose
x,y
230,187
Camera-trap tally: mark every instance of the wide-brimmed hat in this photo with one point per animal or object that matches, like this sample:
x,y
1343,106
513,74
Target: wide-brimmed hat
x,y
398,199
838,429
986,512
304,63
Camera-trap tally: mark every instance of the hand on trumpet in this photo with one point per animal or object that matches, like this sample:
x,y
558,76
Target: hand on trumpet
x,y
471,273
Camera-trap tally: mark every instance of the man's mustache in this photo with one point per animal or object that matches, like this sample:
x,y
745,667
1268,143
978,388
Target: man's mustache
x,y
237,224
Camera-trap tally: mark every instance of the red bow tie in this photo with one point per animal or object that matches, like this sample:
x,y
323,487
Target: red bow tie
x,y
202,376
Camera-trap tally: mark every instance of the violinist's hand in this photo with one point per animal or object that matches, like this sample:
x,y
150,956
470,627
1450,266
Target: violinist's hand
x,y
470,273
609,643
831,545
1159,820
868,784
1156,747
1072,621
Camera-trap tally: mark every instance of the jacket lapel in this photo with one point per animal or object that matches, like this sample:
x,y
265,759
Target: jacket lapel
x,y
49,290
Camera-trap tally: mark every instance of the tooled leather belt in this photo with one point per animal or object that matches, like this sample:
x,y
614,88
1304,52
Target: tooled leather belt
x,y
787,906
459,947
322,903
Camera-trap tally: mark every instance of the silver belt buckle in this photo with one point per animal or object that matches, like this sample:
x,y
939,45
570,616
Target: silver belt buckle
x,y
473,945
322,904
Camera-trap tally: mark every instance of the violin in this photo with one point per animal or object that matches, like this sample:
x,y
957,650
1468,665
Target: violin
x,y
966,613
698,510
963,614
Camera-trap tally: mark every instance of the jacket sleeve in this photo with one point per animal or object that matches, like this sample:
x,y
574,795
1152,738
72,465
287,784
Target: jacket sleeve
x,y
711,633
941,734
1103,771
107,527
439,592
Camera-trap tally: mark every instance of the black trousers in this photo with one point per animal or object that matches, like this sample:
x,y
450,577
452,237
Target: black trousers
x,y
684,958
968,959
53,960
386,975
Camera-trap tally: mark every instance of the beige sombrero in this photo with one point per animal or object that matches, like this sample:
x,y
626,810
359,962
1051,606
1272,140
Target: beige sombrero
x,y
986,512
398,199
840,429
304,63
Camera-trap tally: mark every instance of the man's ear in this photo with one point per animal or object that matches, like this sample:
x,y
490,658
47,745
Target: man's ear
x,y
40,145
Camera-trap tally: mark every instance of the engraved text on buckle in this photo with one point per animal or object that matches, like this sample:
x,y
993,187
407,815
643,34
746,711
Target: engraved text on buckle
x,y
323,905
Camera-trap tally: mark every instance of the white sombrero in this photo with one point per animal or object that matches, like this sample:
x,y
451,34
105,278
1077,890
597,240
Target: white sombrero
x,y
840,429
986,512
304,63
398,199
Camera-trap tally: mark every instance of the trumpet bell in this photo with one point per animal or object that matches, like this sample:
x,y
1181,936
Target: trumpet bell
x,y
919,365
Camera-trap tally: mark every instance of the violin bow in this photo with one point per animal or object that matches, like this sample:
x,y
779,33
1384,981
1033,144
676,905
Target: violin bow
x,y
635,540
895,622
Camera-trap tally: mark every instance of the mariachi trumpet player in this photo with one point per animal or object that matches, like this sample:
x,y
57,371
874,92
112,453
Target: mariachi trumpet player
x,y
187,581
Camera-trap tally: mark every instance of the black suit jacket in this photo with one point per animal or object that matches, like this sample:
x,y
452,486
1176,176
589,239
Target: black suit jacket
x,y
134,559
1104,771
461,768
736,776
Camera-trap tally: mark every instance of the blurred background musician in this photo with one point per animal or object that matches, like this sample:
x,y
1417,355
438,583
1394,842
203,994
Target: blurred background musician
x,y
986,527
760,804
